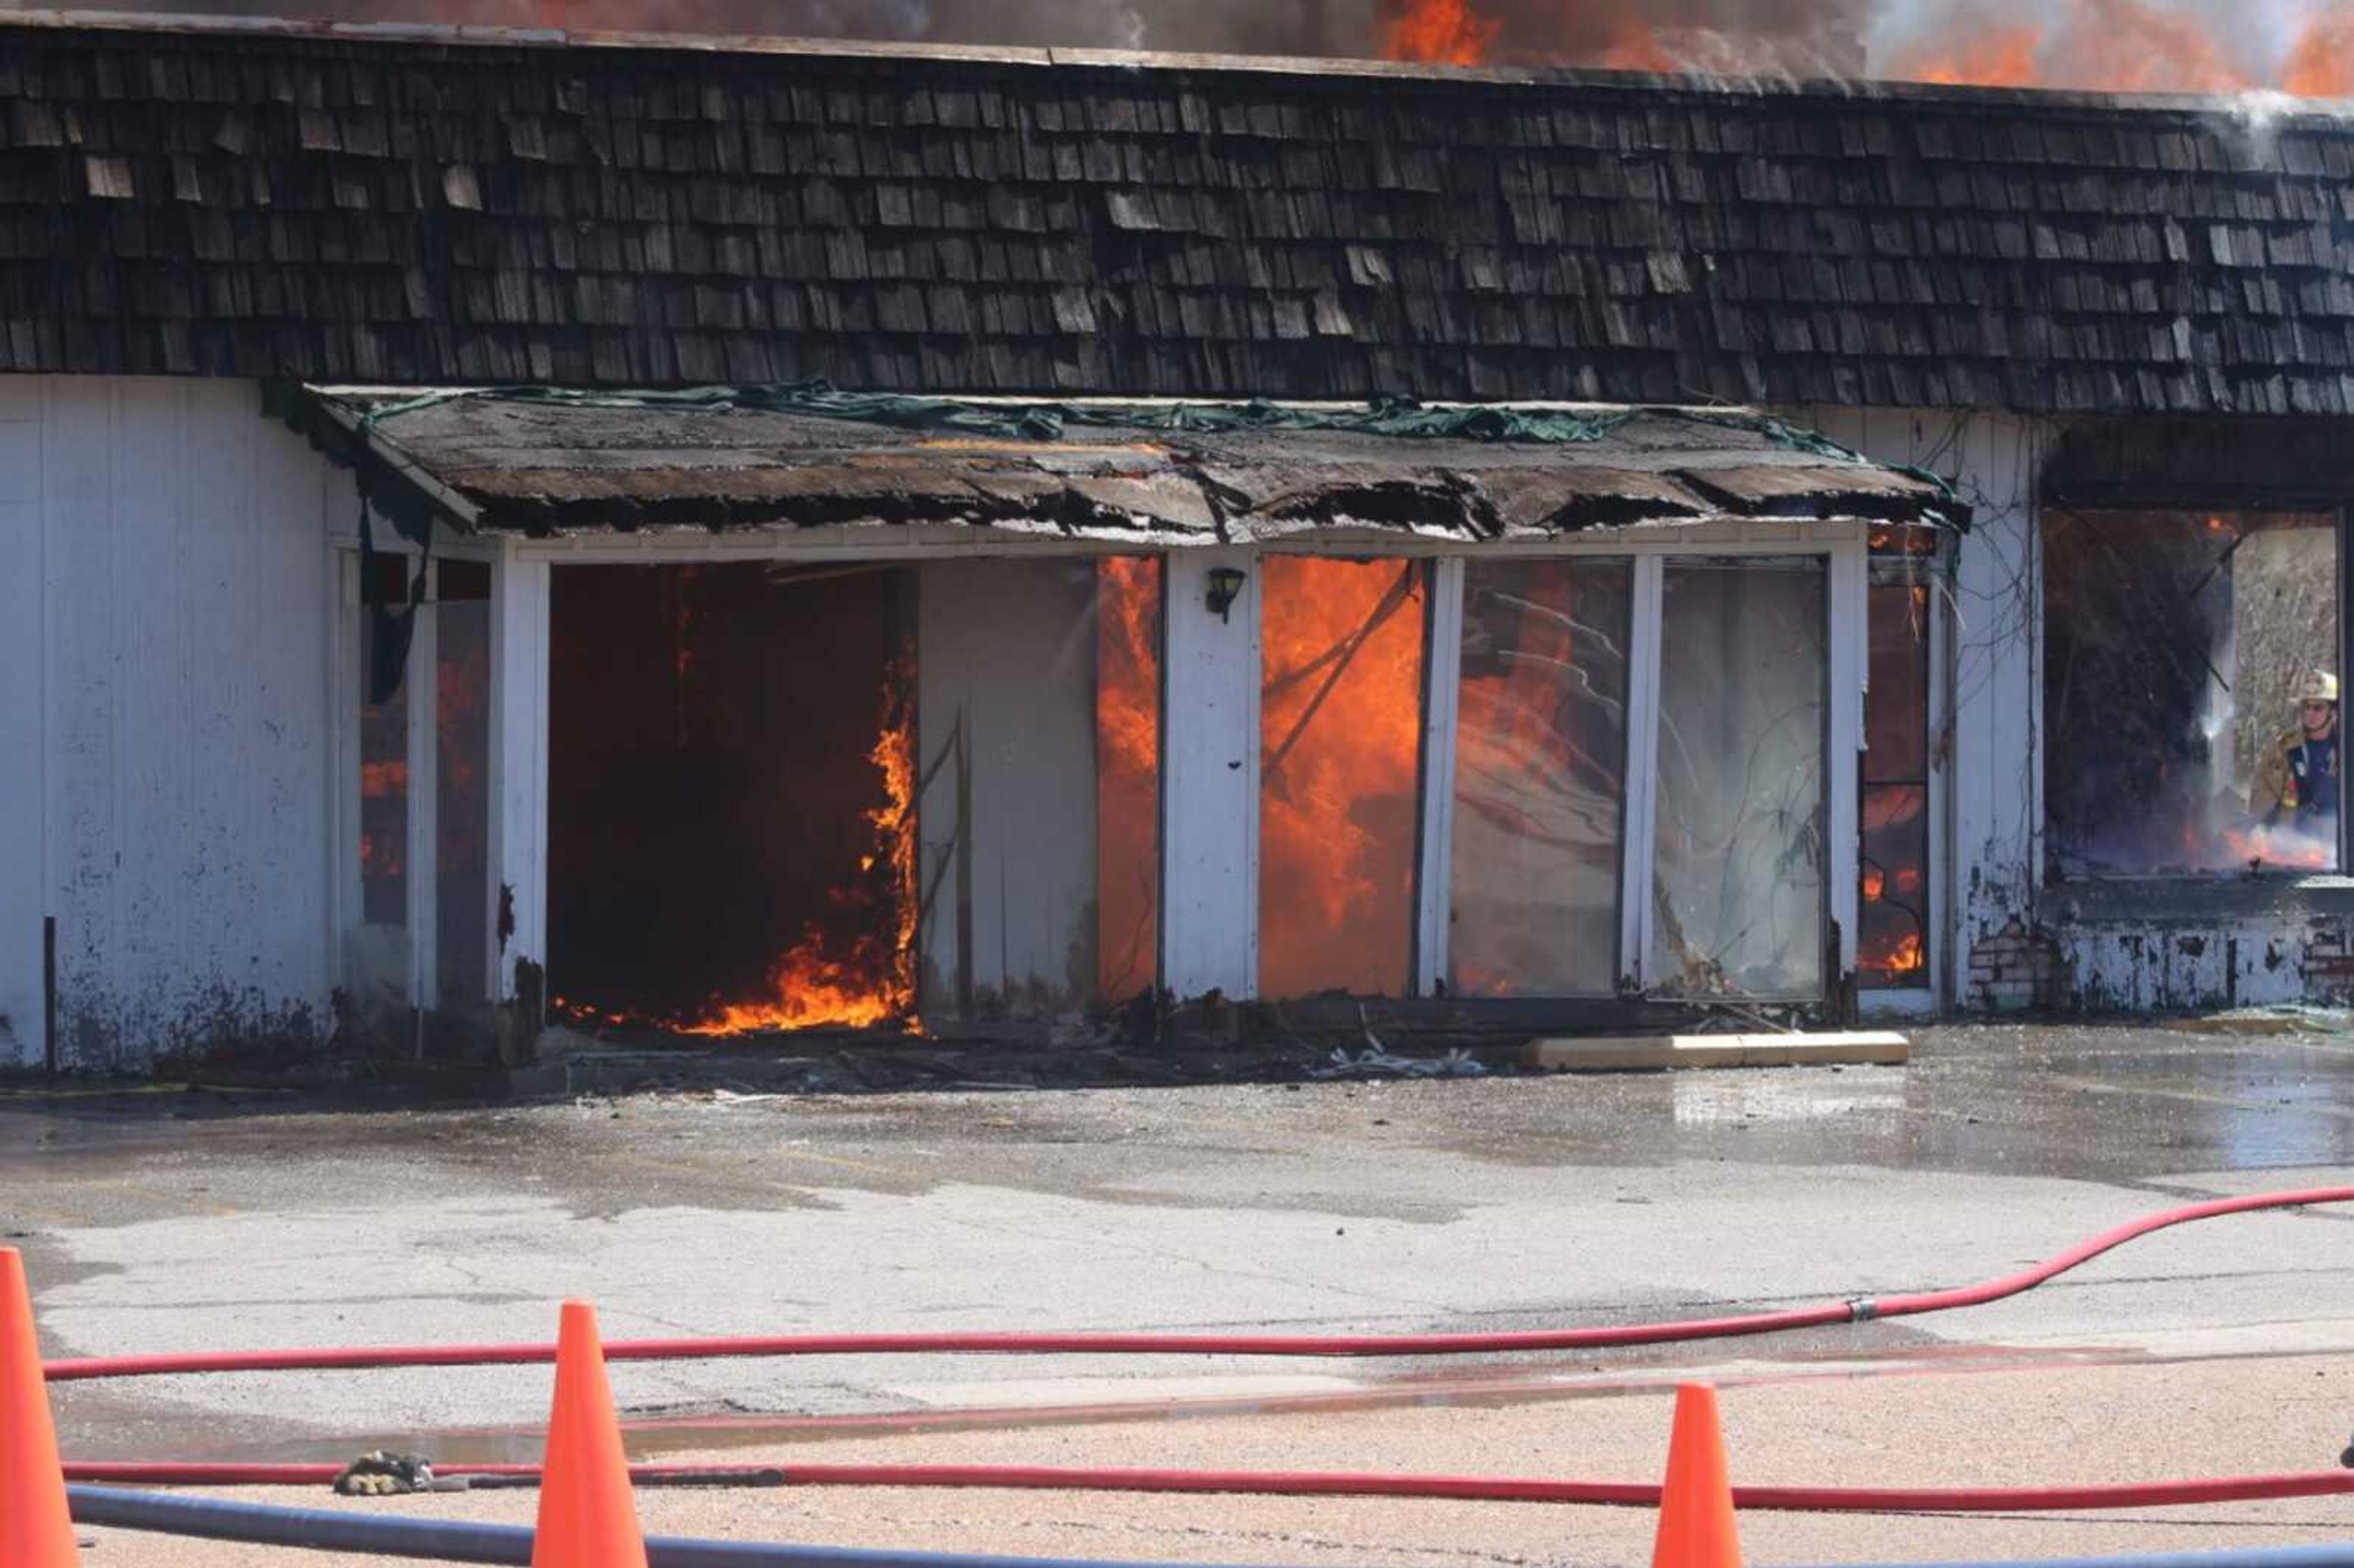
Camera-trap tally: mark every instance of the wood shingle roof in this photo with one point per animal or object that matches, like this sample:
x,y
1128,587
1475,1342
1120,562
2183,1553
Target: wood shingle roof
x,y
342,203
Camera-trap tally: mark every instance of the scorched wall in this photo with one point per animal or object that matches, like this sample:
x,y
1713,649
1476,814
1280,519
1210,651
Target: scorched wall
x,y
164,706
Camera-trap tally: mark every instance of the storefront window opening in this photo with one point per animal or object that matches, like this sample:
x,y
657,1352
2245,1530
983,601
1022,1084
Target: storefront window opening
x,y
1540,778
1740,848
2190,691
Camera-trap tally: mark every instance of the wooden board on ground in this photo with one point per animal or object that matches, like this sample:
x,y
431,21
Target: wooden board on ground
x,y
1621,1053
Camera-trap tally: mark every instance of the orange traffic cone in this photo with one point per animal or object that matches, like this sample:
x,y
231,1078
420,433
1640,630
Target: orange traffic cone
x,y
587,1516
1696,1529
36,1530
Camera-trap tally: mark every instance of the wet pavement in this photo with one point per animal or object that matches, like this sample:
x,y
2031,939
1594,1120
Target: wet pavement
x,y
186,1220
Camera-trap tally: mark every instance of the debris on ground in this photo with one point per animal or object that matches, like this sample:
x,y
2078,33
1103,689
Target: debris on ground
x,y
381,1473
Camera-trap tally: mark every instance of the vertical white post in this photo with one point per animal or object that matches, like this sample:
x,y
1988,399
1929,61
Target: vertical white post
x,y
1849,644
1639,821
1441,697
1209,851
518,886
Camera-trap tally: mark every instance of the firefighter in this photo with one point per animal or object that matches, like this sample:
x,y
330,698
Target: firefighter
x,y
2296,779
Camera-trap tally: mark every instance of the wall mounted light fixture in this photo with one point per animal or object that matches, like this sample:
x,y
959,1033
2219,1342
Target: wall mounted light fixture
x,y
1225,586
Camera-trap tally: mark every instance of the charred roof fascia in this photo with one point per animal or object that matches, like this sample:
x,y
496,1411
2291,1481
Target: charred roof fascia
x,y
1257,470
390,480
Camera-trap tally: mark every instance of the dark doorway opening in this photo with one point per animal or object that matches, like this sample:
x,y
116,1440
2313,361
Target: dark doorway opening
x,y
731,829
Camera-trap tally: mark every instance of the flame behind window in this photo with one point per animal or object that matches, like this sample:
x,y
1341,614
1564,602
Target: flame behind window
x,y
1341,721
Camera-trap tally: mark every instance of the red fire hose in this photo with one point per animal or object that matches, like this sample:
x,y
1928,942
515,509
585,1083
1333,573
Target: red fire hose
x,y
1313,1483
2153,1494
1854,1311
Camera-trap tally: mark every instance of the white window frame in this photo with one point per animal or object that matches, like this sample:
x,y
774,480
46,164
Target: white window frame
x,y
420,886
1936,933
1841,546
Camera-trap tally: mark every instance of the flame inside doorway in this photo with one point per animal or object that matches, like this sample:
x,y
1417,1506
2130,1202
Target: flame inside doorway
x,y
731,821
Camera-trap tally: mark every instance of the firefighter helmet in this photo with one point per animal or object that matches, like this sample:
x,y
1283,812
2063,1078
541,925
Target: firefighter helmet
x,y
2318,686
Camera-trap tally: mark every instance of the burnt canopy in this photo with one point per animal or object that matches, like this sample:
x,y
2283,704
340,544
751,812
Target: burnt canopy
x,y
541,461
463,206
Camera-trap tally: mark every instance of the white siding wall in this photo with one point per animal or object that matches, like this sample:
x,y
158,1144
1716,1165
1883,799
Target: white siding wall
x,y
1995,675
22,884
165,712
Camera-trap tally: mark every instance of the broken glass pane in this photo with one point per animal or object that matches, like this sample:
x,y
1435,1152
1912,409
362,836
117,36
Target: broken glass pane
x,y
1540,779
1738,887
384,771
2179,648
1341,728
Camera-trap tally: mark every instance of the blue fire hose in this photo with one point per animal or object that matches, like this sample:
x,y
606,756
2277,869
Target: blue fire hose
x,y
460,1541
455,1541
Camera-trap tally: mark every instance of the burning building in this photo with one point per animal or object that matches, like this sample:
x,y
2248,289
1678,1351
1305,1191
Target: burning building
x,y
722,537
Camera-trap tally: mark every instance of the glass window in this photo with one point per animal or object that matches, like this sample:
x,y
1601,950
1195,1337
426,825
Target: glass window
x,y
1892,938
1737,888
1127,776
384,769
1340,745
1540,779
462,693
2180,651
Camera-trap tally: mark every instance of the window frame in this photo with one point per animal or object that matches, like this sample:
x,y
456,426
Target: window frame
x,y
1841,547
1209,892
420,878
2139,498
1930,572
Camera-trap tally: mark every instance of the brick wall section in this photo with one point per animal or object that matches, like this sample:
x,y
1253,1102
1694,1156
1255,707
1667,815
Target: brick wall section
x,y
2328,965
2016,968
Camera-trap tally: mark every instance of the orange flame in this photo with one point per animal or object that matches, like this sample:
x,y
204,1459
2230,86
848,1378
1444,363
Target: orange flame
x,y
2124,45
1340,716
2258,849
2002,57
1439,32
1901,958
2105,46
866,979
1636,47
384,780
1127,774
2321,62
2143,48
